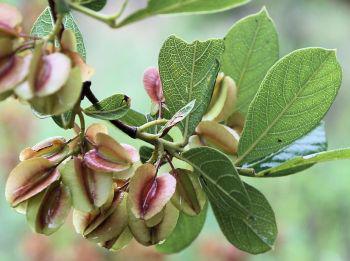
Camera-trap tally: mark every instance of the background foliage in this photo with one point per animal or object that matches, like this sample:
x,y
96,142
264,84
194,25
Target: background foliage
x,y
312,209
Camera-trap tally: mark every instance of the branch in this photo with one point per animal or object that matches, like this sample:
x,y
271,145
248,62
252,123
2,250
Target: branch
x,y
52,5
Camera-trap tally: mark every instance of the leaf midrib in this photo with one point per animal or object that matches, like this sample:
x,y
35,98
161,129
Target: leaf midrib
x,y
245,66
191,86
264,133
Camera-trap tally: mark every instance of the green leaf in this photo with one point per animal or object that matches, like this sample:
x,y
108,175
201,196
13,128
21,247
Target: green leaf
x,y
65,120
313,142
145,153
302,162
254,235
156,7
111,108
188,72
44,24
186,231
178,117
96,5
134,118
220,180
295,95
251,48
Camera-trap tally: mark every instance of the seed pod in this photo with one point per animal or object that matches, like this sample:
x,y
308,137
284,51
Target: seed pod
x,y
236,122
120,242
85,222
218,136
189,196
110,156
29,178
153,235
10,18
106,224
93,130
86,70
89,189
223,101
63,100
68,41
148,194
53,149
13,70
153,85
48,210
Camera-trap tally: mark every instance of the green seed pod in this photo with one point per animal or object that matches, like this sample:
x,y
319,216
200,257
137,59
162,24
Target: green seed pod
x,y
120,242
69,41
89,189
105,223
54,149
189,196
223,100
48,210
153,235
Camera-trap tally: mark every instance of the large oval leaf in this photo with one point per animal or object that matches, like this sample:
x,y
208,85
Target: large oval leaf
x,y
251,48
313,142
186,231
220,180
254,235
188,72
293,98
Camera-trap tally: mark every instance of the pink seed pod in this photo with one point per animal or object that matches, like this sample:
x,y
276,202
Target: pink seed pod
x,y
153,85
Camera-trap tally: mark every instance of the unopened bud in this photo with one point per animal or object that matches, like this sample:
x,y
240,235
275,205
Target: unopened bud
x,y
153,85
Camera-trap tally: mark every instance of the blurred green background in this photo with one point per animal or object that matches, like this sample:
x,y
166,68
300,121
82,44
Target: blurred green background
x,y
312,208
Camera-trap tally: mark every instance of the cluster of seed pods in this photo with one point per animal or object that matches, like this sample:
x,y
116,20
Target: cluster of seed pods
x,y
37,72
113,196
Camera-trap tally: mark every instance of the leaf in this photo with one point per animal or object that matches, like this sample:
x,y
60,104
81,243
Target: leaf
x,y
178,117
134,118
254,235
220,180
302,162
186,231
156,7
65,120
145,153
251,48
111,108
313,142
295,95
96,5
188,72
44,24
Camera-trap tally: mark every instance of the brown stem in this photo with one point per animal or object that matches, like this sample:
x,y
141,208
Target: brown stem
x,y
131,131
52,5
